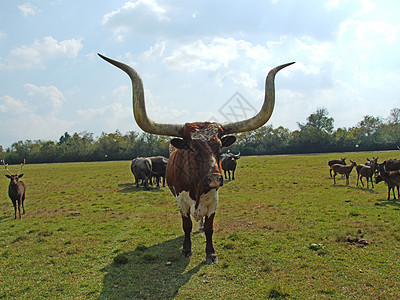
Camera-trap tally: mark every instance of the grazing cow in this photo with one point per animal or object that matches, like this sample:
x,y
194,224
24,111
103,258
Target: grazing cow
x,y
16,190
341,161
159,165
141,169
194,172
228,162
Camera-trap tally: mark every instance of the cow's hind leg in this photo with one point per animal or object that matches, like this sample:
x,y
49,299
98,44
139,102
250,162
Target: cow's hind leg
x,y
211,257
187,243
388,197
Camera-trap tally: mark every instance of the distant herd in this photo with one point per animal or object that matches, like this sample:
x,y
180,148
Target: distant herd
x,y
387,171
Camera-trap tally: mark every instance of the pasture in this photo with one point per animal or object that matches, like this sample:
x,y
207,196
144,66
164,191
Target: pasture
x,y
282,231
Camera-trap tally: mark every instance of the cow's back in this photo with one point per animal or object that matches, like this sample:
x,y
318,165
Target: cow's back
x,y
141,168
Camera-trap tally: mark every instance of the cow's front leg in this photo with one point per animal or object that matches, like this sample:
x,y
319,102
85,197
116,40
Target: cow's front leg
x,y
187,243
211,257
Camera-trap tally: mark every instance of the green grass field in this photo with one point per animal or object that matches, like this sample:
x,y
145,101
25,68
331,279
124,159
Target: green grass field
x,y
281,232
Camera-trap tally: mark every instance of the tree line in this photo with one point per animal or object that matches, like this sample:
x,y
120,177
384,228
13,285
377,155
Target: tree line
x,y
317,135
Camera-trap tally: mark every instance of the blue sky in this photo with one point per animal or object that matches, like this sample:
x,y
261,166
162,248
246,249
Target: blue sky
x,y
193,57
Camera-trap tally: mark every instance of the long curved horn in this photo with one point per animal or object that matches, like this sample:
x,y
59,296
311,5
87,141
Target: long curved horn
x,y
266,110
139,107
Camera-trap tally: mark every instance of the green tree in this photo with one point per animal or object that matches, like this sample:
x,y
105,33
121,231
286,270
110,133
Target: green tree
x,y
394,117
315,135
319,120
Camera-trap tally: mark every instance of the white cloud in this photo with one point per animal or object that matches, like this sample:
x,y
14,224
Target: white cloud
x,y
51,93
121,92
26,57
245,80
113,113
154,52
367,6
27,9
12,107
374,32
23,123
316,51
142,17
218,53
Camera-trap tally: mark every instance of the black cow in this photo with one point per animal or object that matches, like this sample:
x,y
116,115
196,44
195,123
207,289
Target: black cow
x,y
341,161
228,162
159,165
391,164
141,169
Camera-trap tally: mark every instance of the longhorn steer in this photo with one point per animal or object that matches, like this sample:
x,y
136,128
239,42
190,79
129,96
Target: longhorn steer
x,y
194,172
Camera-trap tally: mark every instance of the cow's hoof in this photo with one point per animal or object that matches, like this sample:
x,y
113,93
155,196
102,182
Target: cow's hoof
x,y
186,253
212,259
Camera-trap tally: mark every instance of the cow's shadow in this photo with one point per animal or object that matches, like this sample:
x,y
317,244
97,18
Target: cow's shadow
x,y
156,272
132,188
391,202
6,218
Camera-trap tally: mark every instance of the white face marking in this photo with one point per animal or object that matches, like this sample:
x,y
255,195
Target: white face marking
x,y
207,206
205,134
213,161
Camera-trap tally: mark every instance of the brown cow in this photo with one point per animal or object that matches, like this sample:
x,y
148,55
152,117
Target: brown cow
x,y
194,172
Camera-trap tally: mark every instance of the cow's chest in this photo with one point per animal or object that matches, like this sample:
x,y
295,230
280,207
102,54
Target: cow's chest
x,y
207,204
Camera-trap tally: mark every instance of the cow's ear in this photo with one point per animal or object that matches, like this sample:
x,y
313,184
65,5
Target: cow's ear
x,y
179,144
228,140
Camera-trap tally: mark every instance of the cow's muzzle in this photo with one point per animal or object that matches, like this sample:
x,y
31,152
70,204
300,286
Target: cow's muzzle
x,y
213,181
